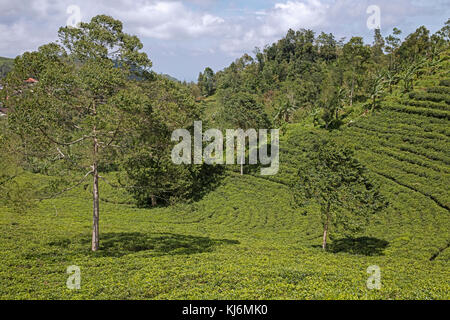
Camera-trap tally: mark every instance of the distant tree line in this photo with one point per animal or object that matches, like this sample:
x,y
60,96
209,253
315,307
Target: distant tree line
x,y
307,75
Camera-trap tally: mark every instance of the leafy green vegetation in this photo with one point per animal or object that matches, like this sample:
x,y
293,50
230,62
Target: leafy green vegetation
x,y
241,241
331,177
203,232
6,65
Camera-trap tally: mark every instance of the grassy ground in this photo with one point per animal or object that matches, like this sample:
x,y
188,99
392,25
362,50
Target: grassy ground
x,y
242,241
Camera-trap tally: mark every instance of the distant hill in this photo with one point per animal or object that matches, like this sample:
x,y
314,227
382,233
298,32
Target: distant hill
x,y
6,65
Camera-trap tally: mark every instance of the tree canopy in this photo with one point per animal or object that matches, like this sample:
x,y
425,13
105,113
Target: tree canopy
x,y
331,177
84,105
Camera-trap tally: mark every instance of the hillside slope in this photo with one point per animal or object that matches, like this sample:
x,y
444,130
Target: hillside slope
x,y
405,145
243,240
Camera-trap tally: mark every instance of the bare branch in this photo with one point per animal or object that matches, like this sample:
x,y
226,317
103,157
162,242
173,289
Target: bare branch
x,y
111,184
60,152
68,189
63,143
115,132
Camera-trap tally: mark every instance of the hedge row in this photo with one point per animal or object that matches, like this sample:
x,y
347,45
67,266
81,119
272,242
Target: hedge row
x,y
409,153
426,96
425,104
445,83
440,89
441,114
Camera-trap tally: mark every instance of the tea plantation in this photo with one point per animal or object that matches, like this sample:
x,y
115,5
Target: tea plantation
x,y
243,240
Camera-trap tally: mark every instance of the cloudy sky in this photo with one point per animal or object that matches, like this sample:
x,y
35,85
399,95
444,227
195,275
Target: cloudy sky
x,y
184,37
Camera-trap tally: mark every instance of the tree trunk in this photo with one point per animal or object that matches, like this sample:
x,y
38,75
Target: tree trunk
x,y
324,240
95,224
351,92
325,229
153,198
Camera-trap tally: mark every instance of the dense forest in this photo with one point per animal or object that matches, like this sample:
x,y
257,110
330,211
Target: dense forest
x,y
306,77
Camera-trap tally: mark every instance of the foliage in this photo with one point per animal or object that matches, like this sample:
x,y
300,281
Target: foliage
x,y
6,65
149,173
83,107
242,241
206,82
332,178
332,103
242,110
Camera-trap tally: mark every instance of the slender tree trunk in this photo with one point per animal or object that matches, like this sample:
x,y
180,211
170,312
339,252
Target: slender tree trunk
x,y
242,163
95,224
154,202
351,92
325,229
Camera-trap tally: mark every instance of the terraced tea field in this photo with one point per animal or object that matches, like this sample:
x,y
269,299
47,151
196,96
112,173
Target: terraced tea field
x,y
243,240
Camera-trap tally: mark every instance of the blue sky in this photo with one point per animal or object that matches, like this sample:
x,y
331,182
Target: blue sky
x,y
184,37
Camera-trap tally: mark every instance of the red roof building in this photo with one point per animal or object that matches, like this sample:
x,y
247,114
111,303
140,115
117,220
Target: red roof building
x,y
31,80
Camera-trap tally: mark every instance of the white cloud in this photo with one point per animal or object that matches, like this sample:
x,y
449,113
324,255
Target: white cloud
x,y
294,15
24,26
196,28
169,20
273,23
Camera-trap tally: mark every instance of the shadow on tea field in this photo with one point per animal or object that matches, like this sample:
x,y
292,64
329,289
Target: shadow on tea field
x,y
124,243
367,246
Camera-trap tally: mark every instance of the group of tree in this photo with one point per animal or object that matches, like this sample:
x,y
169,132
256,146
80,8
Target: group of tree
x,y
304,77
98,107
302,73
206,82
